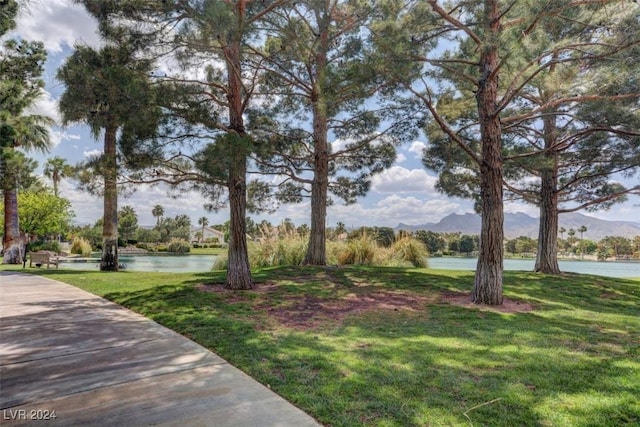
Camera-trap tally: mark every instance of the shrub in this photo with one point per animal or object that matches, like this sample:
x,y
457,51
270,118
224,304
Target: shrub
x,y
358,250
273,248
410,250
221,262
144,246
179,246
43,246
81,246
276,247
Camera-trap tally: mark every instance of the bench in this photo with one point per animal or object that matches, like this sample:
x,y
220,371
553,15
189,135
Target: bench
x,y
42,258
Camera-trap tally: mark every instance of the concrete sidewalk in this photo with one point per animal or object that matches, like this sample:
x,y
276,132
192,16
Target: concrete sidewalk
x,y
94,363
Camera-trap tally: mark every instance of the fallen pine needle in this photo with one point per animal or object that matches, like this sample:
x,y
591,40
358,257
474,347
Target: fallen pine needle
x,y
478,406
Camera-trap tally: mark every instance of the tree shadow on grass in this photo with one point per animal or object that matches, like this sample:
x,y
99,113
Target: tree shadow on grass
x,y
438,366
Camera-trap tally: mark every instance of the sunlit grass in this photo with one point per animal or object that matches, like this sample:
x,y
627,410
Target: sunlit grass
x,y
574,360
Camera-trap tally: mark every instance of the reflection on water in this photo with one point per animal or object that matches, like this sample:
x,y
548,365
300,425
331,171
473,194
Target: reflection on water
x,y
202,263
610,269
162,263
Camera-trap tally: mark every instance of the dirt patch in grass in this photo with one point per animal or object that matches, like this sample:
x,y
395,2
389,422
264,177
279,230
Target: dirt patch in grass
x,y
309,311
234,295
464,300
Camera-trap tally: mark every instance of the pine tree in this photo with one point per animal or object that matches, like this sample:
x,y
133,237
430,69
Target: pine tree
x,y
108,89
319,70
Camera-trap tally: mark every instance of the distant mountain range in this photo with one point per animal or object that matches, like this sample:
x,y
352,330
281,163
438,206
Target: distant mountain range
x,y
520,224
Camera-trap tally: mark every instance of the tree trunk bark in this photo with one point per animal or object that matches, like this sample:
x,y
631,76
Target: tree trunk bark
x,y
487,288
238,271
316,250
547,257
109,260
13,243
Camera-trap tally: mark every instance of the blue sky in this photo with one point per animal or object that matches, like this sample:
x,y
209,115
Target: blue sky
x,y
404,193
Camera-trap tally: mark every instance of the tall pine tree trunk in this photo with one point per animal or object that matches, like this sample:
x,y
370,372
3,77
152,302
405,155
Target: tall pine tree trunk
x,y
109,260
238,271
487,288
547,256
316,250
13,243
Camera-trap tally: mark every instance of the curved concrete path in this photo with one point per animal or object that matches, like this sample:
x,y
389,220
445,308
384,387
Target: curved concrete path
x,y
97,364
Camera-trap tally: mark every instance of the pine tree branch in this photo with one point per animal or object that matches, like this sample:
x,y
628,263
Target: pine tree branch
x,y
457,24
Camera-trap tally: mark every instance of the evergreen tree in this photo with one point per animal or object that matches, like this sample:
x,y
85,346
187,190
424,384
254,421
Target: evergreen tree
x,y
203,221
56,169
127,222
21,65
211,105
319,70
157,212
109,91
483,106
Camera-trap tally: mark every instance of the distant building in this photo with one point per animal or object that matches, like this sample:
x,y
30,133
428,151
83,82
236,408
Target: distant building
x,y
208,233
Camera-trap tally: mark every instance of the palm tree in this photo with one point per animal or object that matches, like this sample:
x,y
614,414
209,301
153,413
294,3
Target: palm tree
x,y
55,169
109,91
582,230
157,212
29,133
203,221
562,231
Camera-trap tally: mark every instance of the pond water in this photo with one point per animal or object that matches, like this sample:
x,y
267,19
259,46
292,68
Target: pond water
x,y
163,263
611,269
202,263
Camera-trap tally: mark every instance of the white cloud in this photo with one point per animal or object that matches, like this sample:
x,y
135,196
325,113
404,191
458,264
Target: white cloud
x,y
56,137
393,210
401,180
57,23
87,208
46,105
92,153
400,158
417,147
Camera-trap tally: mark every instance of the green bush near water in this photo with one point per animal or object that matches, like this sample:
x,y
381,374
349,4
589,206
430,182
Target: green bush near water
x,y
43,246
179,246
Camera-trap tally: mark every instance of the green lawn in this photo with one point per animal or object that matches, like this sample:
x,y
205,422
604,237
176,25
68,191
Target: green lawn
x,y
208,251
574,360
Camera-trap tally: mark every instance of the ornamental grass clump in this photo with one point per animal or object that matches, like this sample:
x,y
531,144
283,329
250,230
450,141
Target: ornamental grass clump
x,y
360,251
179,246
410,251
276,246
80,246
